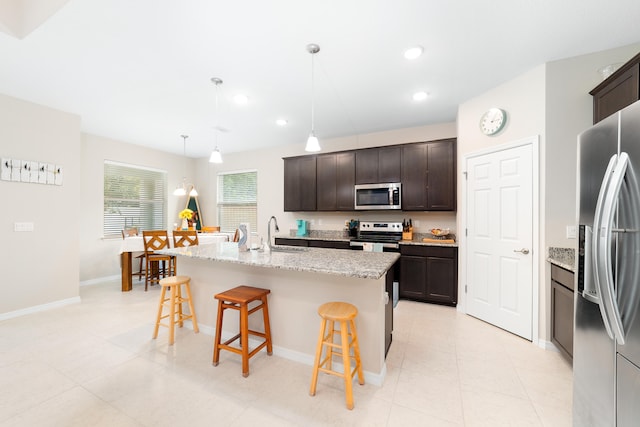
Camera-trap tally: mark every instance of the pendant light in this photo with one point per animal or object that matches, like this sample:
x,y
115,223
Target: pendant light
x,y
181,189
312,141
216,157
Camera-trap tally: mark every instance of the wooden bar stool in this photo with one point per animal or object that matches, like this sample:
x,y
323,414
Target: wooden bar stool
x,y
343,313
239,299
174,303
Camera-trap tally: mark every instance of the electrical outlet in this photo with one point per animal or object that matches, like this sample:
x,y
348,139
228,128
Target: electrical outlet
x,y
571,231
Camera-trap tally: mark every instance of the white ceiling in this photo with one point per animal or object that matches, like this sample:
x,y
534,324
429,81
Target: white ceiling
x,y
139,70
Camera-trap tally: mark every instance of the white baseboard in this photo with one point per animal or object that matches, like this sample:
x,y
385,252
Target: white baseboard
x,y
38,308
100,280
548,345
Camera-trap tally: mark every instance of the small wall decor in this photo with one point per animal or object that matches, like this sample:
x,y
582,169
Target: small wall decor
x,y
5,169
30,171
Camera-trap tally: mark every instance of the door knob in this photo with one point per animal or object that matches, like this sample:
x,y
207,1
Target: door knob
x,y
523,251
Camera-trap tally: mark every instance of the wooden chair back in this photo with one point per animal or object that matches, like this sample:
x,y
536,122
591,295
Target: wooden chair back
x,y
236,236
155,240
210,229
183,238
129,232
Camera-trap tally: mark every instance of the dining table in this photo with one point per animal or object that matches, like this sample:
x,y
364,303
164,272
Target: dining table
x,y
133,244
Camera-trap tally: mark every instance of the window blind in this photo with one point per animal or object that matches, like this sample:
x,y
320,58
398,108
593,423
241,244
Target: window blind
x,y
134,196
237,200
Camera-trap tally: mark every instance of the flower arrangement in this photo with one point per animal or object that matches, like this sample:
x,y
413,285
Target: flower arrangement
x,y
186,214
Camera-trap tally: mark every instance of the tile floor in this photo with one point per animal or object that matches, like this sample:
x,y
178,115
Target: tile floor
x,y
95,364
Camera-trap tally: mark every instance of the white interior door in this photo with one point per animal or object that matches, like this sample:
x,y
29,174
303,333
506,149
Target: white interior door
x,y
499,239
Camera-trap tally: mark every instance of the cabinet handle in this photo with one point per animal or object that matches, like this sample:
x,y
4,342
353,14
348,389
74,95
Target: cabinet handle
x,y
523,251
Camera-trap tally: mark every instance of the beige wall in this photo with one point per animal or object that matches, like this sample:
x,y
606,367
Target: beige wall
x,y
99,257
39,268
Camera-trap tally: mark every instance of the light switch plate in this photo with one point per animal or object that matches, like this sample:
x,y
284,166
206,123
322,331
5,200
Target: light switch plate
x,y
571,231
23,226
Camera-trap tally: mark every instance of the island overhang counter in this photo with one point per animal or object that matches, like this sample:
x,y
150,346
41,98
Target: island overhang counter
x,y
300,280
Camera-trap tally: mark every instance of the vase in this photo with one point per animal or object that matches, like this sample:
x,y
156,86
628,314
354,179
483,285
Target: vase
x,y
185,224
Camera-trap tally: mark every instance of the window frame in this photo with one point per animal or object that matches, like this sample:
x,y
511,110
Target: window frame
x,y
221,204
155,218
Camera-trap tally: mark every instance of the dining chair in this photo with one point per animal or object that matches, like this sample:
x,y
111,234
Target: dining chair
x,y
133,232
211,229
157,264
183,238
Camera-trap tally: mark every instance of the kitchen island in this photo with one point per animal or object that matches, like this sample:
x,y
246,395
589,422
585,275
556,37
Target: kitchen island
x,y
300,280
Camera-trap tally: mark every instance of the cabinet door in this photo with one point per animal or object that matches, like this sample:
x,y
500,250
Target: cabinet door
x,y
300,184
389,164
562,318
442,282
441,185
291,242
346,176
367,166
414,177
326,182
413,272
619,93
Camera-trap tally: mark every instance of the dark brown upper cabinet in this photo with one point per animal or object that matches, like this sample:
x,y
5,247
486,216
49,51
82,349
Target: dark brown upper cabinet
x,y
325,182
428,176
335,181
300,184
378,165
619,90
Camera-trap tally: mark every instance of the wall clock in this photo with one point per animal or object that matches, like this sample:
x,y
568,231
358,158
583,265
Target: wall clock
x,y
492,121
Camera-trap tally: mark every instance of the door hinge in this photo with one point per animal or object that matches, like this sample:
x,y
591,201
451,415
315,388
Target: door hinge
x,y
465,175
465,289
466,232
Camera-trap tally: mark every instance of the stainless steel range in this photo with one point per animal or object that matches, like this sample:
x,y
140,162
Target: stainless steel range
x,y
388,234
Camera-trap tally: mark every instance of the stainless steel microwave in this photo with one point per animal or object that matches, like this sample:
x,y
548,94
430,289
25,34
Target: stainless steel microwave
x,y
387,196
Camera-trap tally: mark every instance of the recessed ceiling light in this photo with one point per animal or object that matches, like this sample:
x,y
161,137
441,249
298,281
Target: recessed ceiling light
x,y
420,96
241,99
281,122
413,52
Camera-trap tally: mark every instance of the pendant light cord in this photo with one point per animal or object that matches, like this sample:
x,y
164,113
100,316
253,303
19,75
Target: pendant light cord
x,y
312,93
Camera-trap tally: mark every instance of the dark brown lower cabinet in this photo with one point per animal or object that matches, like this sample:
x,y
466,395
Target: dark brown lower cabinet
x,y
313,243
429,274
562,309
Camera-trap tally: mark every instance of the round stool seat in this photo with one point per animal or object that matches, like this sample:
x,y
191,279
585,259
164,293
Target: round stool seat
x,y
338,311
174,280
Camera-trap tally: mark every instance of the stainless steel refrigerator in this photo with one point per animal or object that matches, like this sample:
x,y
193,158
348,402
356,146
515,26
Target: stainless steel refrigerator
x,y
606,346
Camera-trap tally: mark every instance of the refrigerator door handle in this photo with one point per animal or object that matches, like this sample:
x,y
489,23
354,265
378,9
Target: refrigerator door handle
x,y
602,243
589,292
593,247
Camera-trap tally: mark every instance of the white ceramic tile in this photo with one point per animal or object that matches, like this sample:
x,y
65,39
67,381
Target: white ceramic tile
x,y
95,363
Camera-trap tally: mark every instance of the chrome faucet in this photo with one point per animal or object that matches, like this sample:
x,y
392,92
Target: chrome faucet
x,y
269,230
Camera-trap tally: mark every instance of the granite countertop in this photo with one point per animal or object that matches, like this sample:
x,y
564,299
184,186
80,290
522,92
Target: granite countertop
x,y
342,262
563,257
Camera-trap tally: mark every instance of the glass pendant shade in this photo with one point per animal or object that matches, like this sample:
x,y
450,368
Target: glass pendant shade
x,y
180,191
216,157
193,192
312,143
